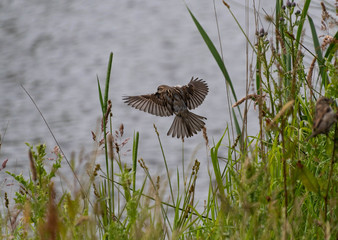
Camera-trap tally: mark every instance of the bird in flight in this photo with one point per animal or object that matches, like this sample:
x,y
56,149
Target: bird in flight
x,y
324,117
176,100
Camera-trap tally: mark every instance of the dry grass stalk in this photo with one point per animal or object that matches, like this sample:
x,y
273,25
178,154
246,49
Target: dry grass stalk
x,y
205,136
236,142
309,76
93,136
121,129
110,146
4,163
49,230
227,5
327,40
6,200
282,112
253,97
328,21
32,165
105,118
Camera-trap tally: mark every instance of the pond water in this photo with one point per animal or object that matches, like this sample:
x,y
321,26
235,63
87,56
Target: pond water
x,y
57,49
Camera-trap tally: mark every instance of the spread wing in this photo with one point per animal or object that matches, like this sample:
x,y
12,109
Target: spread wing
x,y
151,103
195,92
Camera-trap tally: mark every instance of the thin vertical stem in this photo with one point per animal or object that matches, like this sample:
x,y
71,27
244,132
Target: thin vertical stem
x,y
284,178
166,165
183,172
135,149
334,156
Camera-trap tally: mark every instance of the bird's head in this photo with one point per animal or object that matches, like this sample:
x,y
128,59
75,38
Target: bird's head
x,y
162,88
325,100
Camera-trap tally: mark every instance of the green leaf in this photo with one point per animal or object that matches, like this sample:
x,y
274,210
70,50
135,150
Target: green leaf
x,y
220,63
238,127
332,49
214,52
301,22
214,160
320,60
106,92
135,148
307,178
100,93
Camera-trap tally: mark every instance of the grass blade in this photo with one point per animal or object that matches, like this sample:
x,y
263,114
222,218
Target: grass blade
x,y
301,22
135,148
332,49
106,92
215,164
320,60
214,52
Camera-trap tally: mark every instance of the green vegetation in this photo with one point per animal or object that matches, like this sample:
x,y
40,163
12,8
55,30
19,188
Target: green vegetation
x,y
274,185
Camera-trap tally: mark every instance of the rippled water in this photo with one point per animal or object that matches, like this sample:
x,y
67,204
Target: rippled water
x,y
56,49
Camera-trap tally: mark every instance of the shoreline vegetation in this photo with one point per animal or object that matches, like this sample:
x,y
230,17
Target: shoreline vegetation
x,y
275,185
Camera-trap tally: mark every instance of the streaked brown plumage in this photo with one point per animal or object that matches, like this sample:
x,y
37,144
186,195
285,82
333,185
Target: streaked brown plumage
x,y
176,100
324,117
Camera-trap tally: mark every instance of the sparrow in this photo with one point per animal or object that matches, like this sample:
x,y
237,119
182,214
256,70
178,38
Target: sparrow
x,y
177,100
324,117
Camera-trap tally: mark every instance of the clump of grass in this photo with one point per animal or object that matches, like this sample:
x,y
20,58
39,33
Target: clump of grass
x,y
272,186
41,213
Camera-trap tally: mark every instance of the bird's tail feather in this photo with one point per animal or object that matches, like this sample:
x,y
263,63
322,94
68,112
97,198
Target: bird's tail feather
x,y
186,125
